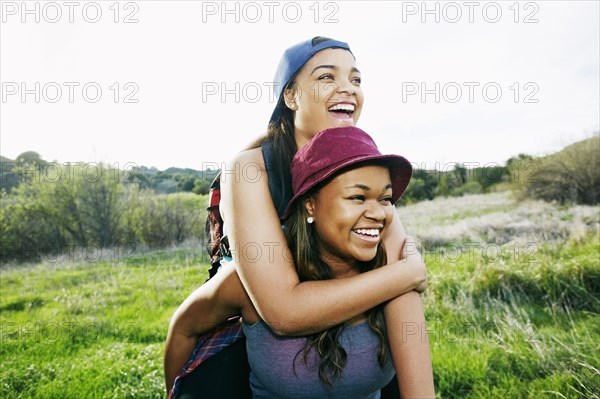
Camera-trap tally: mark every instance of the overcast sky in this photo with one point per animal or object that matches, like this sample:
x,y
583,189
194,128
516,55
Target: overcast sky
x,y
143,82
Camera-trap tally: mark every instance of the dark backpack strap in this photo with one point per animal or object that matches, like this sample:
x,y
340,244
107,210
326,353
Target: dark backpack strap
x,y
214,226
279,185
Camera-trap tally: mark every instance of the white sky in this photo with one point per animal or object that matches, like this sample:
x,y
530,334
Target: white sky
x,y
179,48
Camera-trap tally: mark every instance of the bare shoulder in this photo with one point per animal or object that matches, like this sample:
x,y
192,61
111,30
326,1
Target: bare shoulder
x,y
247,159
246,171
244,177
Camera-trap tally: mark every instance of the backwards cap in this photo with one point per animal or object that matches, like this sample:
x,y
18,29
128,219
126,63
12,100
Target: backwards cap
x,y
294,59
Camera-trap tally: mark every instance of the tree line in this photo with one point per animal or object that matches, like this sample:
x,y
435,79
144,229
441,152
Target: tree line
x,y
30,164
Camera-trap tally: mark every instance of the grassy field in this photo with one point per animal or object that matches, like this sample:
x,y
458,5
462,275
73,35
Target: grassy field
x,y
513,307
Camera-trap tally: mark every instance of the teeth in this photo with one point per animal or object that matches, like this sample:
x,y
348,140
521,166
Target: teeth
x,y
370,232
342,107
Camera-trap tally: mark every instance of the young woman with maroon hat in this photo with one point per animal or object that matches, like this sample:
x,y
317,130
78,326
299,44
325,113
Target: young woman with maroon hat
x,y
318,86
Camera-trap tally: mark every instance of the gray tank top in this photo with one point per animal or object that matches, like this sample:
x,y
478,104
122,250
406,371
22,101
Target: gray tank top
x,y
273,375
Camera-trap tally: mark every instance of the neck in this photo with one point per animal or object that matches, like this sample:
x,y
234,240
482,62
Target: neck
x,y
341,268
301,137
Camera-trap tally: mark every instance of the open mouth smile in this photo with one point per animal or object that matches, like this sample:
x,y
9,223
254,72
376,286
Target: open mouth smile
x,y
342,110
371,235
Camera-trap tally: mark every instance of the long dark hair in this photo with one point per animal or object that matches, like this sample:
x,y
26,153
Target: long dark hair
x,y
306,248
281,133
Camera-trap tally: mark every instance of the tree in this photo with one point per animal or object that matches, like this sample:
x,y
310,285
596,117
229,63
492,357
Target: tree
x,y
29,166
460,171
571,175
9,177
414,192
87,204
25,230
443,187
201,186
30,158
186,184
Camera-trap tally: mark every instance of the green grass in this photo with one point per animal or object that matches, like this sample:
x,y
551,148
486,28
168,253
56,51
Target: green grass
x,y
91,330
514,326
517,323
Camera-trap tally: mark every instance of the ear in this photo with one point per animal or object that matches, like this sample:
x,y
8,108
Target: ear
x,y
309,204
289,96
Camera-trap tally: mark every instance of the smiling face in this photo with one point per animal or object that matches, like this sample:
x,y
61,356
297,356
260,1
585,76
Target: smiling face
x,y
327,94
350,214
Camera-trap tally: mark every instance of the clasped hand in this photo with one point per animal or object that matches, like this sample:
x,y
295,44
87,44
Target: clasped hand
x,y
410,253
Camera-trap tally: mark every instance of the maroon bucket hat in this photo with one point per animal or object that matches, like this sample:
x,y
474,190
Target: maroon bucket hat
x,y
332,150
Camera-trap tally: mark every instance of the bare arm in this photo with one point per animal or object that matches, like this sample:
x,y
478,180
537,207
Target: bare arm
x,y
407,331
409,344
265,266
221,297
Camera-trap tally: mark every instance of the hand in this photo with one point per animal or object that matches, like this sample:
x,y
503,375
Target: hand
x,y
410,254
409,246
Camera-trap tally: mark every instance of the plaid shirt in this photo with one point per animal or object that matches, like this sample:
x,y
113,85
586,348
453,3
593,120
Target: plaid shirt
x,y
209,344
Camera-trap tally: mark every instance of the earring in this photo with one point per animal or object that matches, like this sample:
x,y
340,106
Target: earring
x,y
310,219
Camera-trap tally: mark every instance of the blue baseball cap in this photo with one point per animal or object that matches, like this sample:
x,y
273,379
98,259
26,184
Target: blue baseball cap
x,y
294,59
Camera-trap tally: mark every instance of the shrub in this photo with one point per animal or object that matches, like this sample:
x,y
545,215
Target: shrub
x,y
471,187
45,215
165,219
25,230
569,176
93,207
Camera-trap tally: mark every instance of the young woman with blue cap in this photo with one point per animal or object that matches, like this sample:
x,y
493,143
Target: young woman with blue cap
x,y
318,86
